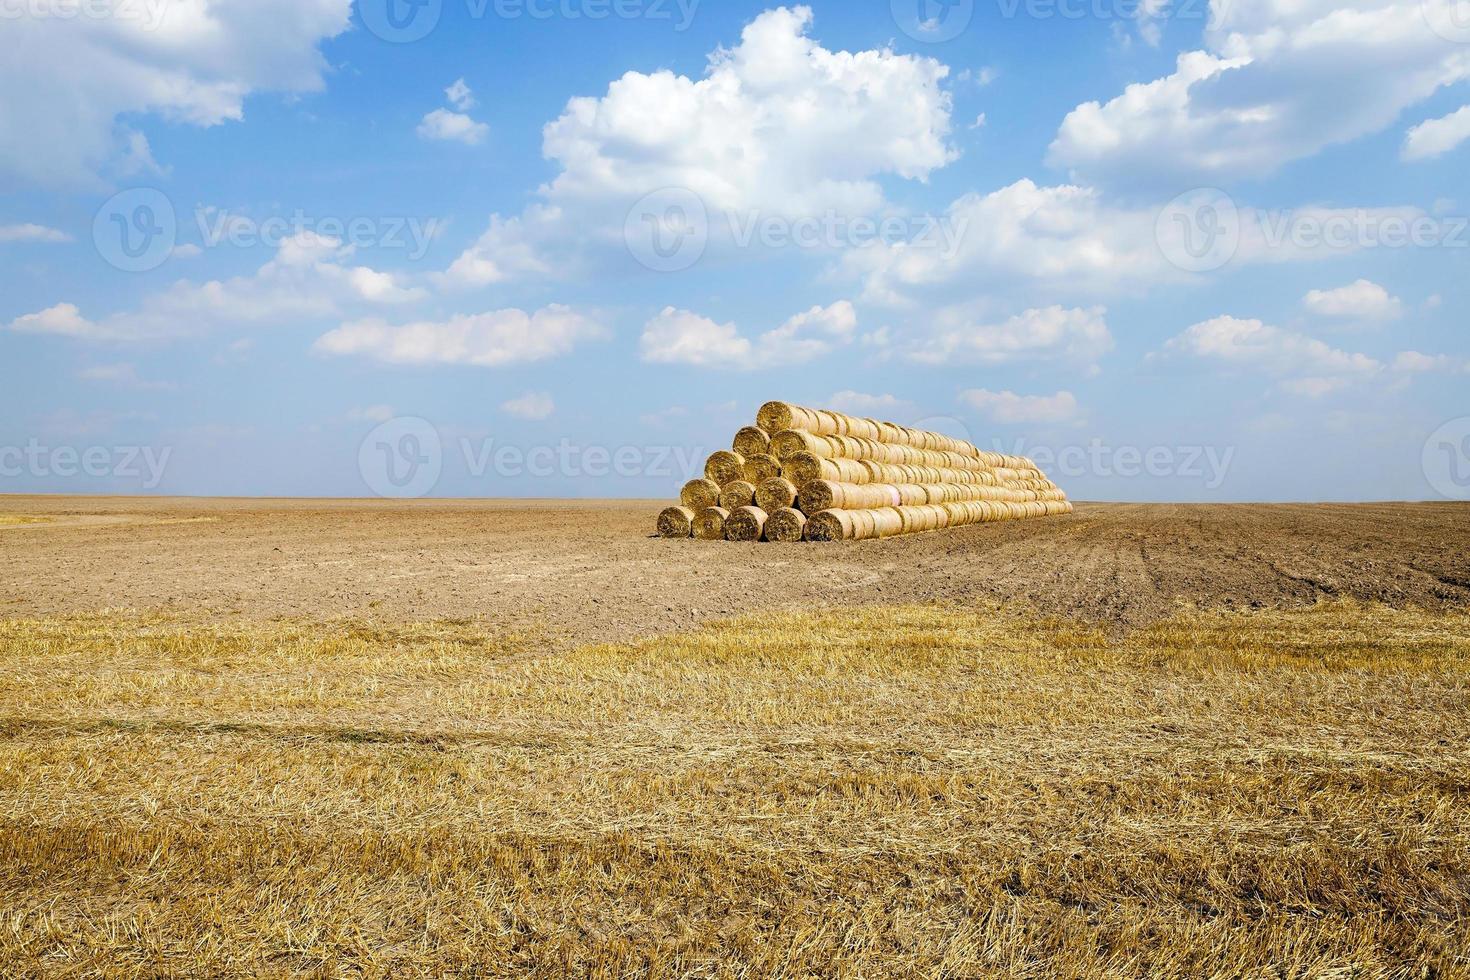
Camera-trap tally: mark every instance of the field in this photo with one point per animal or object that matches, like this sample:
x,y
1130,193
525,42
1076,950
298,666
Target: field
x,y
499,739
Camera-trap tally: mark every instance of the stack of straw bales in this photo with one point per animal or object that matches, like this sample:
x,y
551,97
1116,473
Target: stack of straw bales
x,y
814,475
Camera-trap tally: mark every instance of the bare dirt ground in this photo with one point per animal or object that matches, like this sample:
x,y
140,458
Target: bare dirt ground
x,y
589,570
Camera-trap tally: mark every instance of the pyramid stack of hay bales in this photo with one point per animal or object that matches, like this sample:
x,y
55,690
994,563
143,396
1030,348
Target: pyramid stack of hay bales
x,y
807,474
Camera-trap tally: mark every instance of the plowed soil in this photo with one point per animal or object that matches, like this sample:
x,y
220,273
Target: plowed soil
x,y
590,570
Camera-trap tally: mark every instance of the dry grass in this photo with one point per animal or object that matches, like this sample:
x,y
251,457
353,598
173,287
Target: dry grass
x,y
895,791
15,520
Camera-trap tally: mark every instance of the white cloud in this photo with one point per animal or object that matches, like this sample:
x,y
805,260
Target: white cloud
x,y
1437,136
1009,407
187,62
307,279
1066,241
1306,365
1279,80
681,337
31,233
494,339
869,406
63,319
1077,336
442,124
1362,300
534,406
1413,362
125,375
778,126
460,96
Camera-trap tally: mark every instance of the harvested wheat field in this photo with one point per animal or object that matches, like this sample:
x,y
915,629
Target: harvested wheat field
x,y
255,738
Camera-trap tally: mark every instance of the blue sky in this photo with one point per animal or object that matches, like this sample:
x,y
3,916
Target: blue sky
x,y
1187,251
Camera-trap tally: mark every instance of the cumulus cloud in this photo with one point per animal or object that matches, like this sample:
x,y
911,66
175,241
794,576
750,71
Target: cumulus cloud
x,y
310,277
1068,240
682,337
1054,333
1437,137
778,125
1413,362
32,233
495,339
869,406
187,62
1278,80
1362,300
454,127
1009,407
1304,365
534,406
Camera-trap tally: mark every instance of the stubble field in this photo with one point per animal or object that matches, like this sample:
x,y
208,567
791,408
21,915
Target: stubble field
x,y
498,739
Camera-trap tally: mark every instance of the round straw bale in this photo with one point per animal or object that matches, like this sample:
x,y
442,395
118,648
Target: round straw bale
x,y
801,468
738,494
745,524
775,416
830,525
676,522
761,467
709,524
786,525
751,440
724,467
775,494
789,442
699,494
